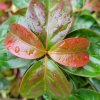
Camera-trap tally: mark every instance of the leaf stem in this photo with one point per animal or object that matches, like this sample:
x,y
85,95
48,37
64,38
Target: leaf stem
x,y
45,65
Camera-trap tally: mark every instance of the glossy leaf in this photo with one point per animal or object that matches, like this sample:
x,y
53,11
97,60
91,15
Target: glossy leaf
x,y
20,4
72,98
4,27
96,28
15,62
50,20
23,43
95,82
77,4
84,94
45,77
6,59
71,52
92,69
84,21
10,61
77,82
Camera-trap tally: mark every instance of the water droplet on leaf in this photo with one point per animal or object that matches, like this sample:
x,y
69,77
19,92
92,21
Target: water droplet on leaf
x,y
17,49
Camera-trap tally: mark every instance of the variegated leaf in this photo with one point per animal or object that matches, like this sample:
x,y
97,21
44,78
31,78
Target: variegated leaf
x,y
23,43
45,77
50,20
71,52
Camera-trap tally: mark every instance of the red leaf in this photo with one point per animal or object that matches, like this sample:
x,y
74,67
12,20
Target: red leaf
x,y
26,35
71,52
23,43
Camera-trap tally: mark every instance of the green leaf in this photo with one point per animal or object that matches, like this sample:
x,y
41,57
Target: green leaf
x,y
45,97
20,4
84,94
72,98
96,28
77,82
83,21
4,28
92,69
95,82
77,4
4,83
45,77
50,20
14,62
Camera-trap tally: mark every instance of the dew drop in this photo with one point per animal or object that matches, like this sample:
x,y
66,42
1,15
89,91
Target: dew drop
x,y
17,49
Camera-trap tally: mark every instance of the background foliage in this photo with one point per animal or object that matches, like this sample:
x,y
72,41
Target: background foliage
x,y
85,81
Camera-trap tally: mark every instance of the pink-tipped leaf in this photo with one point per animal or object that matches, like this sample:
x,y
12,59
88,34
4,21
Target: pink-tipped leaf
x,y
23,43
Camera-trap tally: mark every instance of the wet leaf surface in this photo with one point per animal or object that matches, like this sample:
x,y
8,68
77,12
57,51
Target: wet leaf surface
x,y
45,77
50,20
92,69
95,82
71,52
8,60
81,94
23,43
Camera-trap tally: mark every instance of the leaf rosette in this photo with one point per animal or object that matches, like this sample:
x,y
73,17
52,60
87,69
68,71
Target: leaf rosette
x,y
48,24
